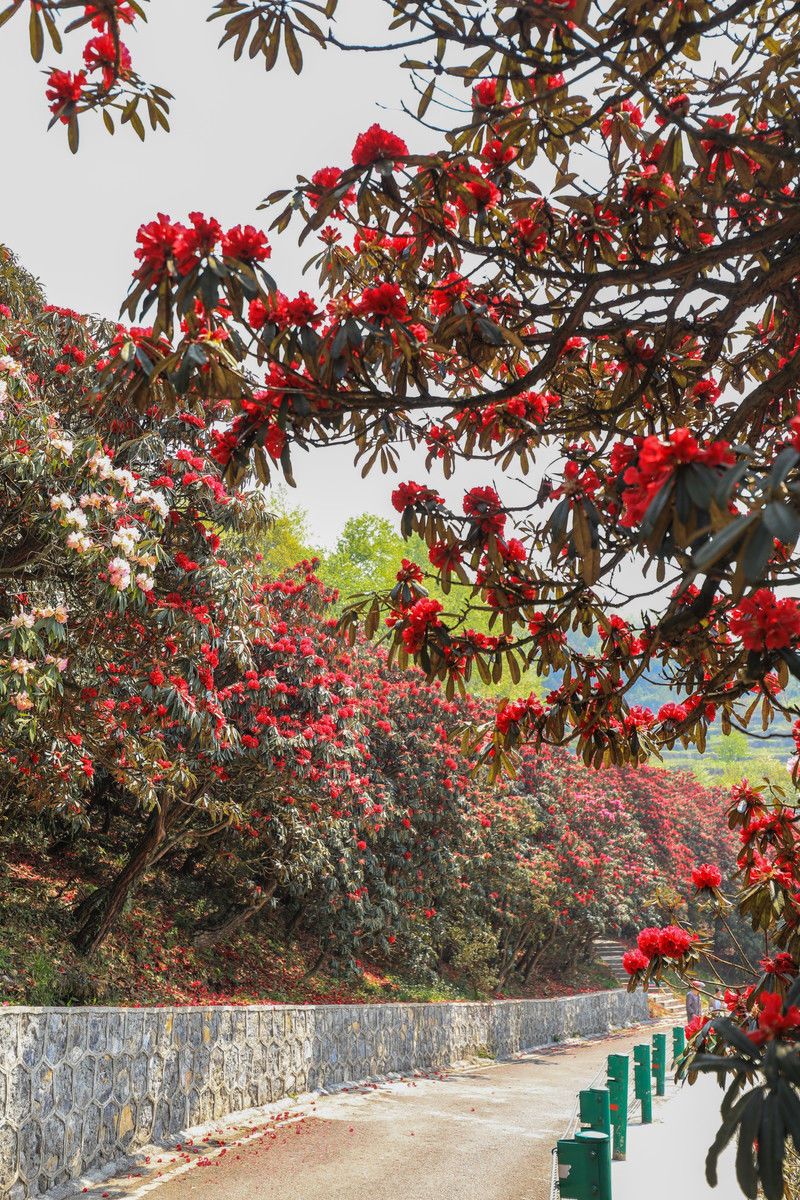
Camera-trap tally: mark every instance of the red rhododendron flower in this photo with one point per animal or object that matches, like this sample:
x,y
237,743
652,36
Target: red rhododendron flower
x,y
246,243
674,942
484,94
782,964
772,1021
543,627
634,960
656,462
529,235
638,718
482,505
384,300
100,16
649,942
496,154
409,493
627,109
100,53
672,712
763,622
377,145
483,194
516,711
444,557
197,241
64,90
705,391
409,571
648,189
326,179
706,876
157,241
694,1026
421,616
303,311
446,293
274,441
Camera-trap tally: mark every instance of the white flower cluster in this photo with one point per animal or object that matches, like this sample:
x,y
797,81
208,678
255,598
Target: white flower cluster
x,y
101,465
55,612
23,620
154,500
79,541
10,366
126,536
119,573
125,539
64,445
97,501
21,666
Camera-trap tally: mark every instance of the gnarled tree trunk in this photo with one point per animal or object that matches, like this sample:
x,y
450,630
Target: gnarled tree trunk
x,y
98,913
217,933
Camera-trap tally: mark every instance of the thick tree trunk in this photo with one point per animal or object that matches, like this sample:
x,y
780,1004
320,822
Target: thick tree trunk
x,y
218,933
321,960
98,913
510,957
537,957
294,921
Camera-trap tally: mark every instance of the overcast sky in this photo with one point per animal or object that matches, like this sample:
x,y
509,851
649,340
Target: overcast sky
x,y
238,133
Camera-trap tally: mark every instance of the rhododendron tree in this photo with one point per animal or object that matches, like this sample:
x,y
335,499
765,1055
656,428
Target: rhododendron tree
x,y
137,663
478,302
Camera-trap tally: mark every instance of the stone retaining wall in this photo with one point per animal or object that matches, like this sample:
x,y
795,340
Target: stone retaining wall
x,y
82,1087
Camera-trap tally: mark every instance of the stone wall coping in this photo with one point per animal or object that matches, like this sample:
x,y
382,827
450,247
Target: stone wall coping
x,y
19,1009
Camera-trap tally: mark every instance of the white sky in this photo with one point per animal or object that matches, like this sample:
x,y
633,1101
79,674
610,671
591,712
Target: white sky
x,y
238,133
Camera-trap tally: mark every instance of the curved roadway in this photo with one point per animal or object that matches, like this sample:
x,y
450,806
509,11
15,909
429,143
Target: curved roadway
x,y
483,1132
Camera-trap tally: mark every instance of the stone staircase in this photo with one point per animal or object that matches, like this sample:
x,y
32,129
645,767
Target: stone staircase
x,y
670,1003
611,952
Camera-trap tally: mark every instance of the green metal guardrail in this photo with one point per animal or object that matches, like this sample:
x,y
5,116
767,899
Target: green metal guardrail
x,y
582,1163
642,1080
678,1043
618,1092
584,1166
660,1063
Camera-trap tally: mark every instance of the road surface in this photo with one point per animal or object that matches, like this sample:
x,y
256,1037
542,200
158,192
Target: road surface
x,y
484,1132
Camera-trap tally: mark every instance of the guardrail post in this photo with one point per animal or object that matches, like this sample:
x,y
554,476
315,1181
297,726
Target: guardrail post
x,y
678,1043
642,1081
660,1062
584,1166
618,1098
595,1110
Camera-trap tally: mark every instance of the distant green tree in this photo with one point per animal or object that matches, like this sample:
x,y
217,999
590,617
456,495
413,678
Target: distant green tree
x,y
289,538
730,757
367,556
19,290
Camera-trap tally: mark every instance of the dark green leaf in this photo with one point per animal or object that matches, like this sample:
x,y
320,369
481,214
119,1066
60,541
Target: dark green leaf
x,y
771,1148
716,546
746,1172
756,556
782,522
783,464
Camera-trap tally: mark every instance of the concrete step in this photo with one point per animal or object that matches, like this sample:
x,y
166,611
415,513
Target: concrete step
x,y
610,952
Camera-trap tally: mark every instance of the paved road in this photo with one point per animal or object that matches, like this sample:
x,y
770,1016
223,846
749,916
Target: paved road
x,y
666,1160
479,1133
